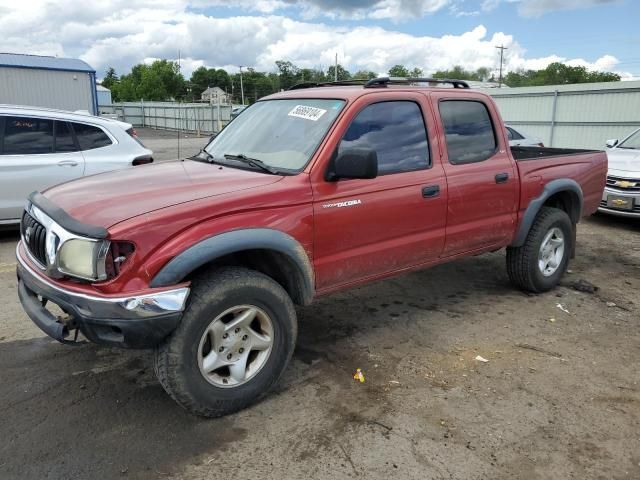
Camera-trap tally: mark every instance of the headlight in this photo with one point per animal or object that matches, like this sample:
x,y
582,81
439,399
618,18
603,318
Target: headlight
x,y
83,259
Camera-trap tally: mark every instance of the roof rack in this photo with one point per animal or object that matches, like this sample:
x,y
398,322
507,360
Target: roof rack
x,y
338,83
384,81
381,82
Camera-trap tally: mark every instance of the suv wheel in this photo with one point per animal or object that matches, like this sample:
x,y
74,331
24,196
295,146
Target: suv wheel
x,y
234,342
538,265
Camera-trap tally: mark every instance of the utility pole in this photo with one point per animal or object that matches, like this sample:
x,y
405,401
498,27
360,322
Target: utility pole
x,y
335,72
241,87
502,48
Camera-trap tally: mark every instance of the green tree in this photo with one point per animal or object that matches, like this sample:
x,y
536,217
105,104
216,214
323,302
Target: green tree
x,y
203,78
459,73
557,74
399,71
110,78
416,72
343,74
159,81
365,74
288,74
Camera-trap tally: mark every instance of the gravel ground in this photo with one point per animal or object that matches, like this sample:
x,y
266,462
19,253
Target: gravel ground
x,y
558,398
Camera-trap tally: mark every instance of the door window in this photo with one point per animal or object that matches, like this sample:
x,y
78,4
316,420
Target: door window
x,y
27,136
468,131
90,137
513,135
64,138
396,131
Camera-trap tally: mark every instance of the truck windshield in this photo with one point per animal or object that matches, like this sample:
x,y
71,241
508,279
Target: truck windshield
x,y
282,134
633,142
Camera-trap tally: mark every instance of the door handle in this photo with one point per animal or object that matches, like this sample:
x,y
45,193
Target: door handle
x,y
68,163
502,177
431,191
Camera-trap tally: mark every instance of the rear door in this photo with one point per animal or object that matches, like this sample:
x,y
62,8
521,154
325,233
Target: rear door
x,y
366,228
35,153
96,146
481,178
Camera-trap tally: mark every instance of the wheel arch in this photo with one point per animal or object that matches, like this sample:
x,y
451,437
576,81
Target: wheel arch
x,y
563,193
269,251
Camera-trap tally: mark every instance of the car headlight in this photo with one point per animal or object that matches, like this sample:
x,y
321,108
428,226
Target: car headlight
x,y
83,259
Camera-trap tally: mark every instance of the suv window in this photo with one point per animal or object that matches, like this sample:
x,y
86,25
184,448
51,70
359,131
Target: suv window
x,y
468,130
64,138
27,136
90,137
396,131
513,135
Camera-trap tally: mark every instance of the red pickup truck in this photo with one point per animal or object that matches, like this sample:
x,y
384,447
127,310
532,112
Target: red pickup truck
x,y
307,192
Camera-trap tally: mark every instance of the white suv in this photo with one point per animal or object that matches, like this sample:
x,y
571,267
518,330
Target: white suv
x,y
40,148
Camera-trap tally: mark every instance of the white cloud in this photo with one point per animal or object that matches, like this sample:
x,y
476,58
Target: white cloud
x,y
117,33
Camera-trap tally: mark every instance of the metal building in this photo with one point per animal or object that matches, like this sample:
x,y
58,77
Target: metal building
x,y
104,95
573,116
51,82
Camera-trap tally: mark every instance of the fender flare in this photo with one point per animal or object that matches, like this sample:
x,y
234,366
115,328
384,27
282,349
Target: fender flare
x,y
551,188
235,241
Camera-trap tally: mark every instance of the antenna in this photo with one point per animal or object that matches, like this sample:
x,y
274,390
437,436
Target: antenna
x,y
178,125
502,49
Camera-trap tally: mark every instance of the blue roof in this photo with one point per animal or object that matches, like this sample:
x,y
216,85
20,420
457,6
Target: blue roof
x,y
45,63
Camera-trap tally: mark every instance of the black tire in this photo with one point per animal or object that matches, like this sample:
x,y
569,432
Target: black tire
x,y
176,359
522,262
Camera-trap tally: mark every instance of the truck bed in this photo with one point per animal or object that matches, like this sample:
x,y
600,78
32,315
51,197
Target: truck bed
x,y
534,153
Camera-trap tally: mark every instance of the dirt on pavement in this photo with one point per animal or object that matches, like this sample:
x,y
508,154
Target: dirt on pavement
x,y
558,398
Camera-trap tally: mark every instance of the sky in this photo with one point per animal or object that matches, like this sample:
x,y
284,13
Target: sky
x,y
372,35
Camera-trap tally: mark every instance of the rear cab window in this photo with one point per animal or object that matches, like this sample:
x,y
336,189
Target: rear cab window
x,y
469,131
397,133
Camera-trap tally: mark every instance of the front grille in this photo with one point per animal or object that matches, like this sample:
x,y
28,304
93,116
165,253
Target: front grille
x,y
611,183
34,235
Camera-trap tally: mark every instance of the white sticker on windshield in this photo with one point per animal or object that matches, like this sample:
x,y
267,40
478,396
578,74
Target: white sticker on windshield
x,y
308,113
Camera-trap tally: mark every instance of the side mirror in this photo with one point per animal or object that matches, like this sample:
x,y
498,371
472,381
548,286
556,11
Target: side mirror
x,y
358,162
611,143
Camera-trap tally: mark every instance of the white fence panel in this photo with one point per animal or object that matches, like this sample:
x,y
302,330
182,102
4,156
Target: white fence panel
x,y
185,117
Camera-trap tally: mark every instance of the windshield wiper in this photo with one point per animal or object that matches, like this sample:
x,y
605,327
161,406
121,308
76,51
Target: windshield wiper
x,y
253,162
203,155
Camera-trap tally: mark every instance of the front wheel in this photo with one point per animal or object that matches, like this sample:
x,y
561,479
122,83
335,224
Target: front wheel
x,y
234,342
538,265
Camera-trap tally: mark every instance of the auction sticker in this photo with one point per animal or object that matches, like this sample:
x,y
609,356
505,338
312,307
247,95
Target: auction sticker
x,y
306,112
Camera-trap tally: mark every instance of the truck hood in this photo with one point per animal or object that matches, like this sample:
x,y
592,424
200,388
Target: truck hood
x,y
625,162
110,198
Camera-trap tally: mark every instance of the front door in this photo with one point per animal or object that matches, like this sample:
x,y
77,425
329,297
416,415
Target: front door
x,y
366,228
482,180
35,153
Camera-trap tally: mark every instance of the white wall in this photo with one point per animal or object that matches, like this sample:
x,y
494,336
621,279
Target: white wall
x,y
585,115
46,88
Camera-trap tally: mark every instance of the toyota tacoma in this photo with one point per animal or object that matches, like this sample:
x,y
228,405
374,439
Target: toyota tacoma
x,y
310,191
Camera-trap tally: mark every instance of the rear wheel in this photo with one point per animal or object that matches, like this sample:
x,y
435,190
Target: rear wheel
x,y
234,342
538,265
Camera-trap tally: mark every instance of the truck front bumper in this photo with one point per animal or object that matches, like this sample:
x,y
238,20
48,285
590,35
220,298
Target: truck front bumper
x,y
610,197
138,321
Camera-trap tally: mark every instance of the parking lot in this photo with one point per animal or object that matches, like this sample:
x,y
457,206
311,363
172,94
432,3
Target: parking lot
x,y
168,145
559,396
